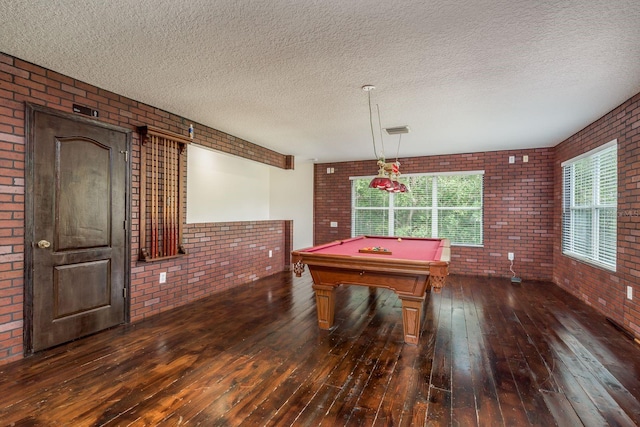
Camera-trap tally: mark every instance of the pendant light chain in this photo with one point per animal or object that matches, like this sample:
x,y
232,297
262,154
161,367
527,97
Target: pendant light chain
x,y
381,138
388,173
398,152
373,138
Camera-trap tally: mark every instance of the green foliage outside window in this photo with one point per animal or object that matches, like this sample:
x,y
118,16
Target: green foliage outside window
x,y
447,206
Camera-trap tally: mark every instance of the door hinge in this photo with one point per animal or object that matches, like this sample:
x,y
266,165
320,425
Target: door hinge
x,y
126,155
124,224
124,292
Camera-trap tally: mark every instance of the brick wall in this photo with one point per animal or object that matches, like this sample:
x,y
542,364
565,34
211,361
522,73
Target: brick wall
x,y
604,290
518,208
522,208
221,255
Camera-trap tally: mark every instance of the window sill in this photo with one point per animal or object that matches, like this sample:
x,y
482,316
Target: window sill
x,y
590,262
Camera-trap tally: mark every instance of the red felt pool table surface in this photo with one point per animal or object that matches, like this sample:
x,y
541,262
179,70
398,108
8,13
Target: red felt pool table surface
x,y
413,266
416,249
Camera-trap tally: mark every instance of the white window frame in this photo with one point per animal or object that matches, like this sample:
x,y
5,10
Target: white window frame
x,y
569,212
434,208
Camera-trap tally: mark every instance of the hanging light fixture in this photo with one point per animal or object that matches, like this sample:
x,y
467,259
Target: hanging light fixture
x,y
388,173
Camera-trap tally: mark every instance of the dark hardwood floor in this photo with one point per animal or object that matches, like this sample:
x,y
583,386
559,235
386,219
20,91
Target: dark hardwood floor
x,y
491,353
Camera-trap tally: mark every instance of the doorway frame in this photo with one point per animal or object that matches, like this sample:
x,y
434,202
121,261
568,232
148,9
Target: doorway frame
x,y
29,217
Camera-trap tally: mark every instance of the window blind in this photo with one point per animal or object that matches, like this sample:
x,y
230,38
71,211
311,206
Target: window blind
x,y
589,206
446,205
460,208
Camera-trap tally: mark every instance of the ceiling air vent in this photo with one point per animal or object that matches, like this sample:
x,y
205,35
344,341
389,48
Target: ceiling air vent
x,y
397,130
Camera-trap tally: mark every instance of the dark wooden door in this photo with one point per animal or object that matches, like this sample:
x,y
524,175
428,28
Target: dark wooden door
x,y
79,227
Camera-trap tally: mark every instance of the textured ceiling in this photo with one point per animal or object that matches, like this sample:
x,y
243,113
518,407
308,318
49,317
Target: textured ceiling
x,y
286,74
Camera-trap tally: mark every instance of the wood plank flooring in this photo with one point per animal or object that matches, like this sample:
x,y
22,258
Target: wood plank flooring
x,y
491,353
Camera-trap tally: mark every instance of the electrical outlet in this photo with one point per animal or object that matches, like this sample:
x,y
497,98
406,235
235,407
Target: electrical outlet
x,y
270,253
333,224
629,292
510,256
163,277
512,159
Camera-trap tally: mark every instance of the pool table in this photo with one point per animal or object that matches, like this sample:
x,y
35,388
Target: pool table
x,y
407,265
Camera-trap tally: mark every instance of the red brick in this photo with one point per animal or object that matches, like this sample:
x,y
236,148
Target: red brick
x,y
533,188
28,82
587,282
528,217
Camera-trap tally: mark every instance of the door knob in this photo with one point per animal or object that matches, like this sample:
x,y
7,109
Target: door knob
x,y
43,244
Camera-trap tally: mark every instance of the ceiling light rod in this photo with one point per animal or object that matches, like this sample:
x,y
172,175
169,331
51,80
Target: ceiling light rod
x,y
388,173
368,89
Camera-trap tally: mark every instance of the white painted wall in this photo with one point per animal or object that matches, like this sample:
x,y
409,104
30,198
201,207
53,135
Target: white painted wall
x,y
291,197
224,188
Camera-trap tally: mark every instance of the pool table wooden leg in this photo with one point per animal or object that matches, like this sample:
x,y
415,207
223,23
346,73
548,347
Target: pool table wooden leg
x,y
411,315
437,276
325,305
298,268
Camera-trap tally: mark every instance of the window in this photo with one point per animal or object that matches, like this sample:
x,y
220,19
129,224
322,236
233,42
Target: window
x,y
589,206
447,205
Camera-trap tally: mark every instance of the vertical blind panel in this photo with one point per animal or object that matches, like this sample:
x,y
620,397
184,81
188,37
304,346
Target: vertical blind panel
x,y
372,222
566,209
419,194
461,226
460,191
582,232
589,207
583,183
412,223
608,194
464,224
365,197
607,235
